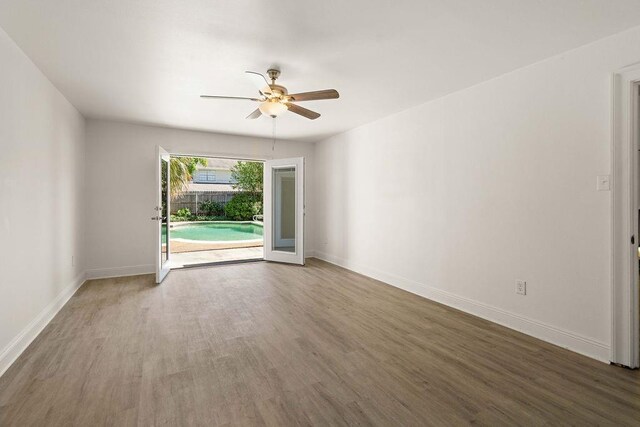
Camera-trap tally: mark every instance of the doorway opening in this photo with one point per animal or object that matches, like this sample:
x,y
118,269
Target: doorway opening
x,y
212,210
216,210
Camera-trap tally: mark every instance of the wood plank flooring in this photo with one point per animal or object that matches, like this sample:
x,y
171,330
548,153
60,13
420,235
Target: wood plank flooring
x,y
270,344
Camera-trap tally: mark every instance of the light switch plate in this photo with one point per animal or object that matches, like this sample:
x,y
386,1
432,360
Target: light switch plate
x,y
604,183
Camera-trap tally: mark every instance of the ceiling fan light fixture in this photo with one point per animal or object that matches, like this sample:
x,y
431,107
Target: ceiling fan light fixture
x,y
272,108
275,99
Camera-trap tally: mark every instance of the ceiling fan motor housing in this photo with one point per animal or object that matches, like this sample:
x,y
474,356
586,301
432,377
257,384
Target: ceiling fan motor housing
x,y
273,74
278,91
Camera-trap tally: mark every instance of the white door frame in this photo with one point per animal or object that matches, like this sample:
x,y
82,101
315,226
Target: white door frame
x,y
162,269
271,254
624,223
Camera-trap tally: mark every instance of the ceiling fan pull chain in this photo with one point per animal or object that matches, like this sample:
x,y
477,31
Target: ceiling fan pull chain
x,y
273,146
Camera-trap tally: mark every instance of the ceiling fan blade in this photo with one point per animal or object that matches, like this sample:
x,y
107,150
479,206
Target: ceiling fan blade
x,y
260,82
229,97
302,111
255,114
315,95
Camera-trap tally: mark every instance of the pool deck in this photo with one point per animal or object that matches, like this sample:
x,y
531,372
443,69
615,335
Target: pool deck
x,y
180,246
184,259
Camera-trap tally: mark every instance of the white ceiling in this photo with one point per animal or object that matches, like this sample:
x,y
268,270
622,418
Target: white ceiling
x,y
148,60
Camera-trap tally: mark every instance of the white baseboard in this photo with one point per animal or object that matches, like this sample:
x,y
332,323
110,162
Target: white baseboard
x,y
20,343
560,337
132,270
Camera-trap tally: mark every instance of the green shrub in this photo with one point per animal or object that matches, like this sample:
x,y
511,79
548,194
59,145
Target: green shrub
x,y
212,208
183,213
243,206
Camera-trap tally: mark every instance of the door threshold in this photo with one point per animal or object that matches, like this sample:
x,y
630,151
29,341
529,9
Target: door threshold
x,y
216,263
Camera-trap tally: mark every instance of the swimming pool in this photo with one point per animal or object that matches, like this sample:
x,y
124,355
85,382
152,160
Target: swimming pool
x,y
219,231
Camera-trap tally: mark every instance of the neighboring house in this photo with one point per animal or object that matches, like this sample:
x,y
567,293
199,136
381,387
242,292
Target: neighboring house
x,y
216,176
211,182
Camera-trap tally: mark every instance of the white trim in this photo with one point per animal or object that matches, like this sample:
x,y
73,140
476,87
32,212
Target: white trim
x,y
21,341
624,218
132,270
560,337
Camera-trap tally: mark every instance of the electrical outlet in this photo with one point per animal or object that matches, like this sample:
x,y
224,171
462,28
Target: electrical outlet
x,y
521,287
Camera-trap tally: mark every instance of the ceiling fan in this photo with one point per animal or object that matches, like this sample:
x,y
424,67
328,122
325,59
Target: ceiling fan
x,y
275,99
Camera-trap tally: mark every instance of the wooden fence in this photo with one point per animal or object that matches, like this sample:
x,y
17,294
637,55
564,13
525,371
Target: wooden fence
x,y
192,199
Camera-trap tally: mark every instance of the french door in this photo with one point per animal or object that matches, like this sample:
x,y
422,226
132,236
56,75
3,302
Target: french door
x,y
284,210
162,209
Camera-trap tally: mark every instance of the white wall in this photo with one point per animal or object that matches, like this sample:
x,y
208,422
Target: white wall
x,y
121,193
483,187
41,200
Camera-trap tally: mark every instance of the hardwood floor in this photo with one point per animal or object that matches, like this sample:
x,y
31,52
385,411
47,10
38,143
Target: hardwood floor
x,y
263,343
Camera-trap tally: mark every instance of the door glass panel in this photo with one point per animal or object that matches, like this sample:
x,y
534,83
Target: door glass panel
x,y
284,215
164,230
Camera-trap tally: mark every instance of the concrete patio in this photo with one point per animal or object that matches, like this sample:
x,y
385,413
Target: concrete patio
x,y
183,259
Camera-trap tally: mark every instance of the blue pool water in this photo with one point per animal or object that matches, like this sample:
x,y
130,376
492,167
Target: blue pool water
x,y
221,231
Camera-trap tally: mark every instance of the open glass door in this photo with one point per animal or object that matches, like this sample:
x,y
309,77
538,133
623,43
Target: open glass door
x,y
162,213
284,210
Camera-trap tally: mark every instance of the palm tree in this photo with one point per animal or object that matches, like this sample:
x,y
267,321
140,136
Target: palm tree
x,y
181,170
